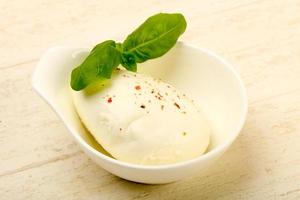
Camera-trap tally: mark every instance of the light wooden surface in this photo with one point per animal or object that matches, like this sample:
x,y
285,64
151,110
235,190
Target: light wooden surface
x,y
39,160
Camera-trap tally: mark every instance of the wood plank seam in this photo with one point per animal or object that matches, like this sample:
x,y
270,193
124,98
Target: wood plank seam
x,y
41,163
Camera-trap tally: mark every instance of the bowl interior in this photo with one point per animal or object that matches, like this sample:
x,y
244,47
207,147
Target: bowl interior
x,y
201,75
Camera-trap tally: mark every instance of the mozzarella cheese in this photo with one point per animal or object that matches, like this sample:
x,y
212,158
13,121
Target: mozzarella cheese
x,y
142,120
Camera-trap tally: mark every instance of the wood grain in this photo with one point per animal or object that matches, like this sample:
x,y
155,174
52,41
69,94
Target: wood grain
x,y
39,160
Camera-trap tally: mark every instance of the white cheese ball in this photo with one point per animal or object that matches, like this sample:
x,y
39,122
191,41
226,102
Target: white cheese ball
x,y
142,120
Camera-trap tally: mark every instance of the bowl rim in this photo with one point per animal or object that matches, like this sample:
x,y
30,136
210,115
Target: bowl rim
x,y
209,155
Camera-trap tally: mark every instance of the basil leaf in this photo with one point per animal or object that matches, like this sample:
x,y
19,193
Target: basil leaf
x,y
100,63
157,35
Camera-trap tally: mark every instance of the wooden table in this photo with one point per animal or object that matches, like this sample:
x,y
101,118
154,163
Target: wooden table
x,y
38,158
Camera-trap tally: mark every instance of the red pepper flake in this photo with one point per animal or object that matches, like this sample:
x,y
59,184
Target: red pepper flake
x,y
109,100
176,104
138,87
143,106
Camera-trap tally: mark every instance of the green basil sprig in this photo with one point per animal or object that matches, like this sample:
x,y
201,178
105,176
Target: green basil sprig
x,y
156,36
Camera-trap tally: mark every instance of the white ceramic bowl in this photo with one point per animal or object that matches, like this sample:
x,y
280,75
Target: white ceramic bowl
x,y
201,74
